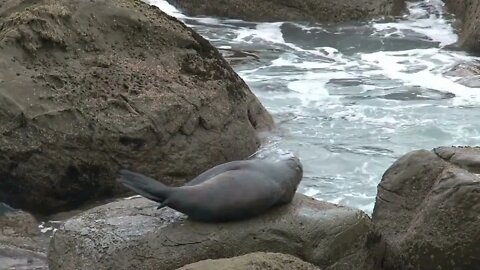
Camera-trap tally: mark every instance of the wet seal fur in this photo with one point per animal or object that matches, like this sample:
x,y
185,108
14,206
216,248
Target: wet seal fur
x,y
230,191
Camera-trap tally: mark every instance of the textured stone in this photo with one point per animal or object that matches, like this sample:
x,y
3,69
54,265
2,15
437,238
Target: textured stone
x,y
292,10
258,260
88,87
428,210
468,14
22,245
132,234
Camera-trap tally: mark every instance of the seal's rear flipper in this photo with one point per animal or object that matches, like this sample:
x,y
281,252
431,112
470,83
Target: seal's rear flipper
x,y
143,185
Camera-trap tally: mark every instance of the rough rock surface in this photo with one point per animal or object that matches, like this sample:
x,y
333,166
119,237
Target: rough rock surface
x,y
468,73
291,10
22,245
132,234
258,260
428,210
87,87
468,13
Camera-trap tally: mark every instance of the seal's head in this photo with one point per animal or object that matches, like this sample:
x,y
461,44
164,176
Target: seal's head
x,y
294,162
292,168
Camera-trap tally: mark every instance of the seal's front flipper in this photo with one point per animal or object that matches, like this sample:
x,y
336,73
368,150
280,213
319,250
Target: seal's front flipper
x,y
162,205
143,185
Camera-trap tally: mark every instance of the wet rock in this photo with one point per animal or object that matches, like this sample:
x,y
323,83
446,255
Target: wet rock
x,y
469,74
132,234
468,13
467,158
238,57
292,10
472,81
88,87
428,210
22,245
464,70
416,93
258,260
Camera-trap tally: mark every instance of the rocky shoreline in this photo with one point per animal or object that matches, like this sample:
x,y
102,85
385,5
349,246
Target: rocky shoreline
x,y
293,10
425,217
467,13
90,87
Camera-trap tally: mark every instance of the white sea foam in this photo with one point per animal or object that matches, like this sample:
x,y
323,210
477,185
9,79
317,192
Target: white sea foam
x,y
312,90
329,100
429,22
393,65
166,7
269,32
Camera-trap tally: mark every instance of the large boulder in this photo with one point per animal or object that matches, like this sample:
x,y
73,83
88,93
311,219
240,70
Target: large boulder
x,y
22,245
468,15
428,210
257,260
132,234
292,10
87,87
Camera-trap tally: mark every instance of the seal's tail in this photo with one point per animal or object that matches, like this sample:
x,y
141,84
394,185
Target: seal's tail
x,y
145,186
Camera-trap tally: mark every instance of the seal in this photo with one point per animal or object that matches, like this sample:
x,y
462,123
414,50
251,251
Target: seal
x,y
230,191
6,209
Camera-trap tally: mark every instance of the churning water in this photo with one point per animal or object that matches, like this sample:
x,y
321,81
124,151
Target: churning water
x,y
352,98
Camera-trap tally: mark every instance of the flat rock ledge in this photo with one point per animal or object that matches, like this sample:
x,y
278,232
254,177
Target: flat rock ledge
x,y
132,234
257,260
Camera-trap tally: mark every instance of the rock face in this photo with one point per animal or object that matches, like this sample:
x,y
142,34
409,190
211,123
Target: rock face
x,y
132,234
87,87
291,10
468,12
428,210
22,246
258,260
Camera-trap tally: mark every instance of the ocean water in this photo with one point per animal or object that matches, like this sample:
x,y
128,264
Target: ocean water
x,y
352,98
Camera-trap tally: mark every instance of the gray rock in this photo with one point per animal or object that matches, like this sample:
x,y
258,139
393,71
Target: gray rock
x,y
428,210
468,13
258,260
472,81
470,70
292,10
132,234
467,158
22,246
88,87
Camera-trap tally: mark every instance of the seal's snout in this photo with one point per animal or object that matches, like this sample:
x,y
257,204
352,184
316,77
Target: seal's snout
x,y
299,167
295,161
